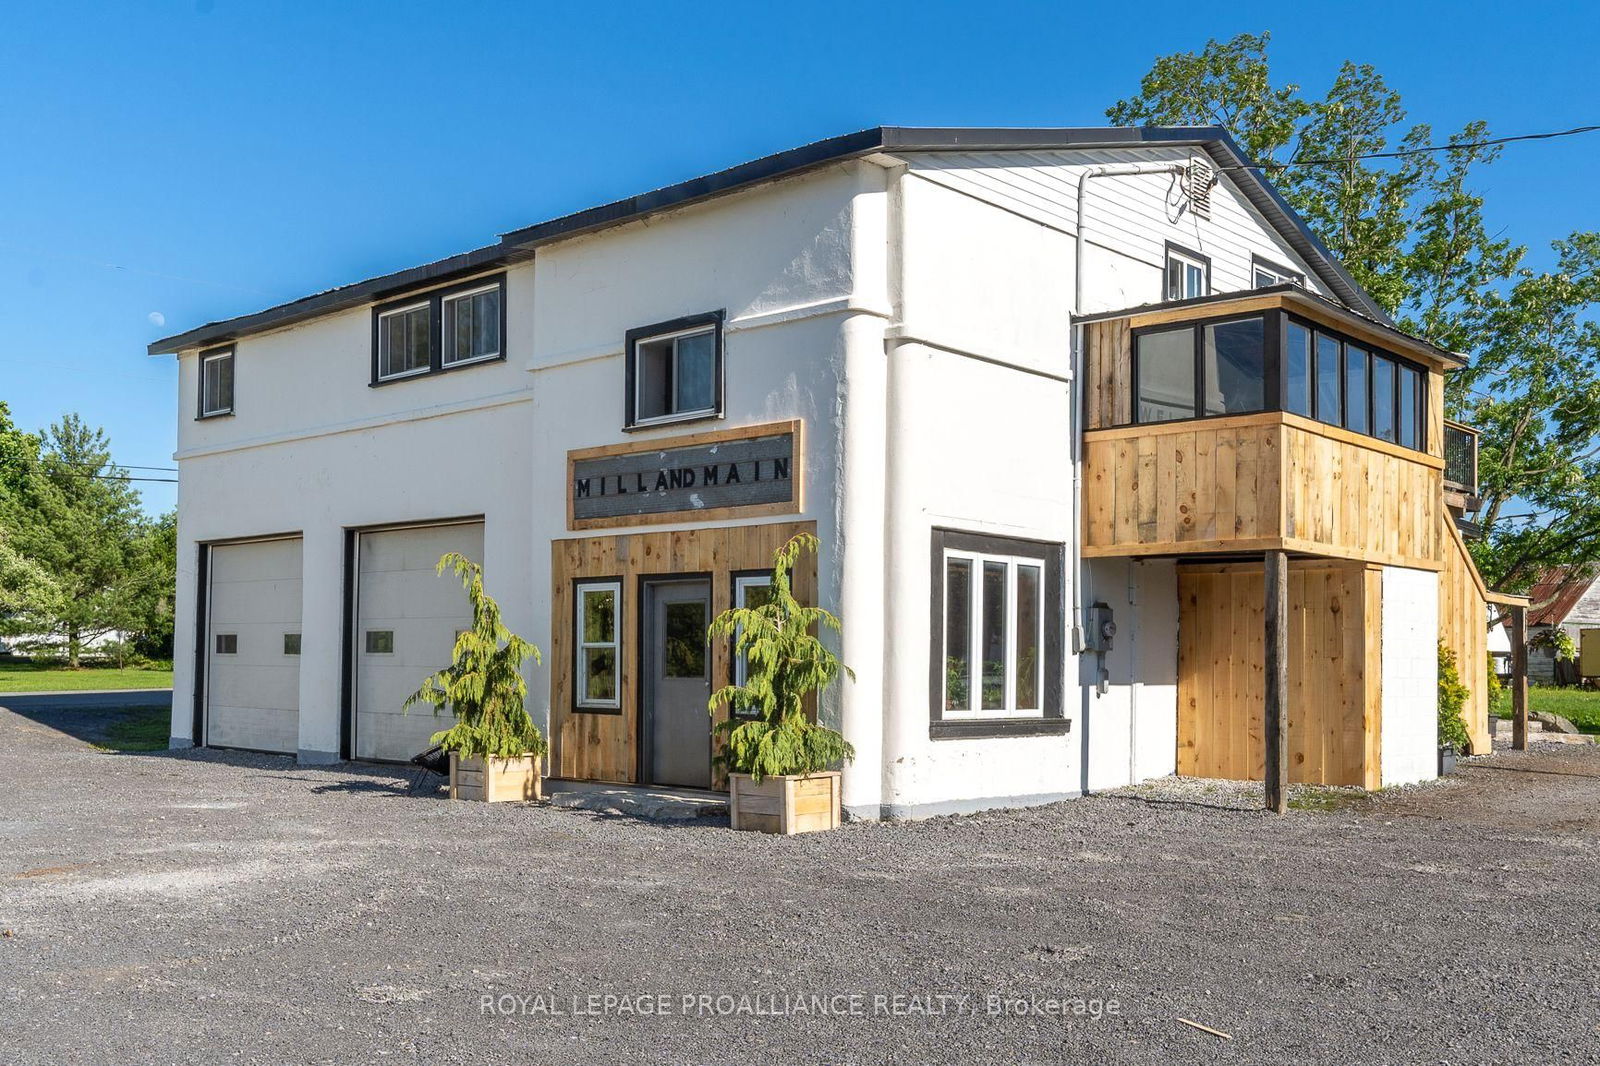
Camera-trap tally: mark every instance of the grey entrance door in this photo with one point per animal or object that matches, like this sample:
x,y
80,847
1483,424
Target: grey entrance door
x,y
677,683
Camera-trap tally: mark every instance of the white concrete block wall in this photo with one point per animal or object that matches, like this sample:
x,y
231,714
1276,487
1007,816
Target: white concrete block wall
x,y
1410,675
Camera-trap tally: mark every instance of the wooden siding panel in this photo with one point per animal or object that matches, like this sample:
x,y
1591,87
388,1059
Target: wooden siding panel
x,y
1333,673
604,747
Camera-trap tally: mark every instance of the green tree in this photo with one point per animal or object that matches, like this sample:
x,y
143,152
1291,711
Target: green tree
x,y
1411,230
68,512
769,732
483,686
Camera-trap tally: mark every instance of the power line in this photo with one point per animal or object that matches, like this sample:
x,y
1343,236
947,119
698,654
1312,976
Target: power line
x,y
124,466
116,477
1401,152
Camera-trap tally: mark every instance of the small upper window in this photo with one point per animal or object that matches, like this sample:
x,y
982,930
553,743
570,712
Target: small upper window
x,y
1265,274
227,643
472,325
1188,274
404,341
216,383
291,644
675,371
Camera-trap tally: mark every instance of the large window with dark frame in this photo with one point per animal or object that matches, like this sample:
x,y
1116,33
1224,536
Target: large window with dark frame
x,y
445,329
998,615
1274,361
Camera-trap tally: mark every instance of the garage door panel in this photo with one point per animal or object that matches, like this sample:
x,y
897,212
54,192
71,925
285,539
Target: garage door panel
x,y
253,693
400,592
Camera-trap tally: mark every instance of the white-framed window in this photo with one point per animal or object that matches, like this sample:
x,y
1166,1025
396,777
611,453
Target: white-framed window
x,y
471,325
598,642
1188,274
405,341
1265,273
675,370
994,634
216,383
749,590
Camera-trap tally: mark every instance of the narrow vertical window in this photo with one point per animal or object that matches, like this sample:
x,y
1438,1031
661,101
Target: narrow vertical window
x,y
216,383
1356,416
748,591
1297,369
1330,381
1383,398
1029,636
958,634
1410,407
598,683
992,637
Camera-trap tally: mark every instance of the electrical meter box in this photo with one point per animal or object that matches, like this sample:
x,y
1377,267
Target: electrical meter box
x,y
1098,628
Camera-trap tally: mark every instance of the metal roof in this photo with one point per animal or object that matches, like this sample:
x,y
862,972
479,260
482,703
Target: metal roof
x,y
520,244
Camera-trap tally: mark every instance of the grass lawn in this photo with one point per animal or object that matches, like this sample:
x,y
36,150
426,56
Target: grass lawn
x,y
145,729
52,677
1578,705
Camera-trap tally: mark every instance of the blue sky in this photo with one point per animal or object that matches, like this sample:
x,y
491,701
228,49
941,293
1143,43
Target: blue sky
x,y
167,164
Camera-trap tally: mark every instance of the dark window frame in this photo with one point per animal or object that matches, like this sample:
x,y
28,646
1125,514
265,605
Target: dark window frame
x,y
1275,385
232,353
1052,556
232,640
1271,355
1204,260
634,337
1285,275
575,702
434,299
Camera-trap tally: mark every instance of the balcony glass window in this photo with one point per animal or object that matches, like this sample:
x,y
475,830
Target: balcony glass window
x,y
1330,380
1166,375
1297,369
1355,389
1235,367
1410,407
1383,398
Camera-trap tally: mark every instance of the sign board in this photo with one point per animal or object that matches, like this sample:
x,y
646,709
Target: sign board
x,y
704,477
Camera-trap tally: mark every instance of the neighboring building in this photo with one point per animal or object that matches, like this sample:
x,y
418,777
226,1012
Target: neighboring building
x,y
1564,596
1020,382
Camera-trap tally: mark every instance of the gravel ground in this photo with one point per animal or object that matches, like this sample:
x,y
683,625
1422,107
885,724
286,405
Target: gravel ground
x,y
198,907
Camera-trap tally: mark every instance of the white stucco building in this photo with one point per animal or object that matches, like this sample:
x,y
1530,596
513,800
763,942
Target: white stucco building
x,y
888,338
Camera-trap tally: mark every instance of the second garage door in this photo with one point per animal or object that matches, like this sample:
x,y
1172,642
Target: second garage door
x,y
407,618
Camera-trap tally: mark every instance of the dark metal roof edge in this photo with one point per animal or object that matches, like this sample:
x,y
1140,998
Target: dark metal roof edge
x,y
1287,288
517,245
340,299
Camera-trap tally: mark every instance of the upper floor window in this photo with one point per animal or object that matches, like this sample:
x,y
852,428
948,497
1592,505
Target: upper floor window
x,y
674,371
1188,274
216,382
1265,273
1274,362
472,325
439,330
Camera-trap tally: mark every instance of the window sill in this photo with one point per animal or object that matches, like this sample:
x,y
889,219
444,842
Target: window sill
x,y
674,420
580,709
214,414
980,728
433,372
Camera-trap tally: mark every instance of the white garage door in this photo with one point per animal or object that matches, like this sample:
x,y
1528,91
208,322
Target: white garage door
x,y
407,618
253,646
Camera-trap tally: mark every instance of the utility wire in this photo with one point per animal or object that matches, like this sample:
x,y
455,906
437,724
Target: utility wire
x,y
124,466
116,477
1400,152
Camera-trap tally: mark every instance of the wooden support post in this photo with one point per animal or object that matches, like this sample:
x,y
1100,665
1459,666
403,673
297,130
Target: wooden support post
x,y
1277,704
1519,678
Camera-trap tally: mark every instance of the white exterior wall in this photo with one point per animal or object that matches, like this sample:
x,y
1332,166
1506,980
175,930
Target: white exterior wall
x,y
917,317
1410,676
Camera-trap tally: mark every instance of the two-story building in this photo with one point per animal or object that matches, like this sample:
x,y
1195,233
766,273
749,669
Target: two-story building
x,y
1021,383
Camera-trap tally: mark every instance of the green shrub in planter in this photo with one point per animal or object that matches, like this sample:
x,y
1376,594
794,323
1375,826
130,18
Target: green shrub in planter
x,y
787,663
483,687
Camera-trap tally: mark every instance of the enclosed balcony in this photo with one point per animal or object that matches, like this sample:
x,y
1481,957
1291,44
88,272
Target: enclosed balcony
x,y
1262,421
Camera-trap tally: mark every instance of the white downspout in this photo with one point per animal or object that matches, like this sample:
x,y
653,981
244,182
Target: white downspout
x,y
1110,170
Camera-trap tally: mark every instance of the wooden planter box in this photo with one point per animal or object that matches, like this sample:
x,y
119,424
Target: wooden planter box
x,y
790,804
501,780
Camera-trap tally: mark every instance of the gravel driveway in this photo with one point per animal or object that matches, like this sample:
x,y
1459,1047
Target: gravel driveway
x,y
199,907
